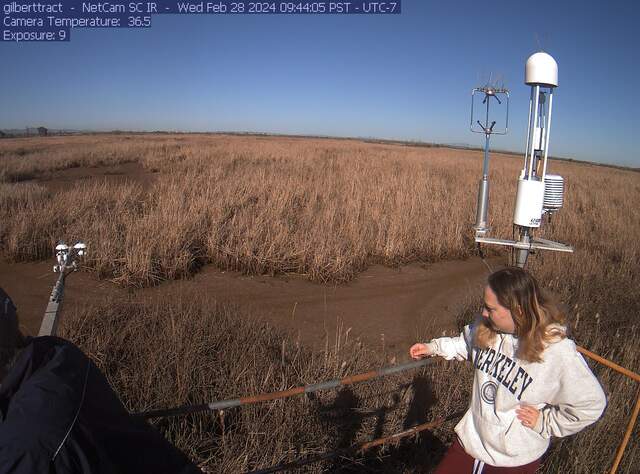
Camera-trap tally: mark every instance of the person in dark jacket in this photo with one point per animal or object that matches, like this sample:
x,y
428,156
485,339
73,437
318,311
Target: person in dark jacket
x,y
58,413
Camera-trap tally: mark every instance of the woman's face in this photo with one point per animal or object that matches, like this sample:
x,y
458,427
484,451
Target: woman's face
x,y
499,317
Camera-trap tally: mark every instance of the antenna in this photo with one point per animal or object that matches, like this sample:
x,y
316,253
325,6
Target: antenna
x,y
485,124
538,193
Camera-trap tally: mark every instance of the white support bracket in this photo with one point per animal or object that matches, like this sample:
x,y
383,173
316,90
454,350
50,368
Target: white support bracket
x,y
534,244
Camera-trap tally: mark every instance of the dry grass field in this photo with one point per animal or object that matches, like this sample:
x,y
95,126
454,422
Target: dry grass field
x,y
158,207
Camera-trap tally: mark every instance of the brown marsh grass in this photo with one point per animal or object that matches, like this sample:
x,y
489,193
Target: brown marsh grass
x,y
322,208
327,209
173,353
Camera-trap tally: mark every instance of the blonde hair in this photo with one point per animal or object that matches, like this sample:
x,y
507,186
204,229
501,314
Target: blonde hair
x,y
538,320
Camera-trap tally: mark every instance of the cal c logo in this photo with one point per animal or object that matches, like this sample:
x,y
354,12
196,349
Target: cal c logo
x,y
488,392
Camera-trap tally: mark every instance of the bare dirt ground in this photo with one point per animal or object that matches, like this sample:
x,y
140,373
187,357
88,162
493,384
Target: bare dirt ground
x,y
383,306
127,172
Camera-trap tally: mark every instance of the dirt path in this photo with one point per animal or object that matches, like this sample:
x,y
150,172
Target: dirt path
x,y
383,306
30,285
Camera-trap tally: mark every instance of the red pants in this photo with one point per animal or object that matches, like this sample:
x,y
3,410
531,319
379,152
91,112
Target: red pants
x,y
457,461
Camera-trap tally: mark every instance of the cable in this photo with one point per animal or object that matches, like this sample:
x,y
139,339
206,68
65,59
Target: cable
x,y
75,418
482,257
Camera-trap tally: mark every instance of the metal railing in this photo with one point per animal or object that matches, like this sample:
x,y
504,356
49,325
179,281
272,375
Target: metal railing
x,y
634,414
303,389
332,384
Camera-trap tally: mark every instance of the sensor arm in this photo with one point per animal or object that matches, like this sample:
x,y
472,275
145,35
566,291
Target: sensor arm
x,y
66,262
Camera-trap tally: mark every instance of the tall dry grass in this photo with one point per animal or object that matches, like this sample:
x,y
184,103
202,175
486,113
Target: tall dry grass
x,y
326,209
175,352
170,352
323,208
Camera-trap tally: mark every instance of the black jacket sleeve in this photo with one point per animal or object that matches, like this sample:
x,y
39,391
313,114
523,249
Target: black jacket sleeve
x,y
60,415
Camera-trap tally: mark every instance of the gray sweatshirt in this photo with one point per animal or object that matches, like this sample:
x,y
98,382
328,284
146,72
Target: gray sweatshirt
x,y
561,386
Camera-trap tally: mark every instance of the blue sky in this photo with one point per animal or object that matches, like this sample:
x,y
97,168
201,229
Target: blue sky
x,y
404,76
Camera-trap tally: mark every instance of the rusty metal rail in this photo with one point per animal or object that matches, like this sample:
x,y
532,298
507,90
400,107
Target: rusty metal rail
x,y
434,424
332,384
634,415
265,397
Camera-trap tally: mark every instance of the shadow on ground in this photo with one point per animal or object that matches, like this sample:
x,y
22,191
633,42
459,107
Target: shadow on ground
x,y
420,453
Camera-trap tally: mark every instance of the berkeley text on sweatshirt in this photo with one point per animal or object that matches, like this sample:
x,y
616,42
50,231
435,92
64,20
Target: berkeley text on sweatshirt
x,y
562,387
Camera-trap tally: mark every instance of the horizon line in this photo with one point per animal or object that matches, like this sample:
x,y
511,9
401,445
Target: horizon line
x,y
370,139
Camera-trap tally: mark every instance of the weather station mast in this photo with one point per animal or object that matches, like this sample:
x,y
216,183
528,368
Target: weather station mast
x,y
538,193
486,126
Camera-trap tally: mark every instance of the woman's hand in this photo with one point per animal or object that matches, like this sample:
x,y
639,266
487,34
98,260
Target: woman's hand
x,y
528,415
418,351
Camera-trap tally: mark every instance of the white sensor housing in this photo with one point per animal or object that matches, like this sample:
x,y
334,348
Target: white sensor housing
x,y
528,212
541,69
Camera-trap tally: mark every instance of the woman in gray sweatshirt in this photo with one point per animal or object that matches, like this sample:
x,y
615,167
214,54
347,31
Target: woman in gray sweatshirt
x,y
529,384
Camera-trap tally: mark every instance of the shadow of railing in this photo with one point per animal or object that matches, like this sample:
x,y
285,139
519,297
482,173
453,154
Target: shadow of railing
x,y
347,418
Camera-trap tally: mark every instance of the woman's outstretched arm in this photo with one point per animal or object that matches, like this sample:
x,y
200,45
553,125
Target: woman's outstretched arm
x,y
458,347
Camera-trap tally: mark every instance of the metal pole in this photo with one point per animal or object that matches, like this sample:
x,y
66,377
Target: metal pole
x,y
523,254
547,132
49,324
66,258
483,192
506,123
486,117
483,205
485,165
535,125
608,363
636,409
483,188
627,435
526,151
265,397
487,135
